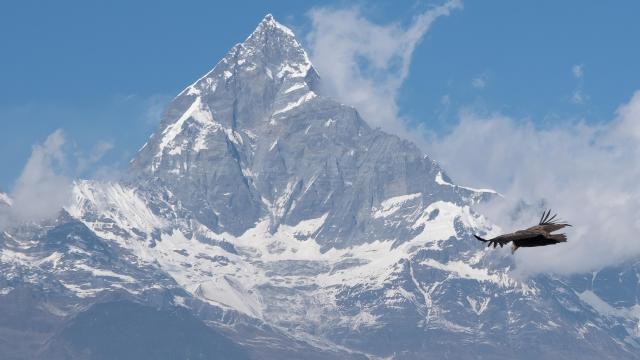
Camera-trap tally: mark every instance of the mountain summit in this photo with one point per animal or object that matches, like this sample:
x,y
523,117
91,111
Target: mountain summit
x,y
253,138
269,213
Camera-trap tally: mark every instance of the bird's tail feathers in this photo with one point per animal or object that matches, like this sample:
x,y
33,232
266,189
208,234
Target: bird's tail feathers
x,y
559,237
513,248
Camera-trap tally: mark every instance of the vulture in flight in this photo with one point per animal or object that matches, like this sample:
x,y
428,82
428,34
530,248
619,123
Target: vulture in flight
x,y
537,235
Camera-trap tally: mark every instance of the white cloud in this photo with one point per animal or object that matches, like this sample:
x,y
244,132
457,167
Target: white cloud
x,y
578,96
364,64
41,190
587,173
154,107
99,150
629,120
480,81
44,185
578,71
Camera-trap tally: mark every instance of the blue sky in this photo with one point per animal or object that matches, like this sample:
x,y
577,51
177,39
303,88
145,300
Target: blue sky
x,y
102,70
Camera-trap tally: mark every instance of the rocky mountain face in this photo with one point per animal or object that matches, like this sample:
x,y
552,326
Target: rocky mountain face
x,y
272,221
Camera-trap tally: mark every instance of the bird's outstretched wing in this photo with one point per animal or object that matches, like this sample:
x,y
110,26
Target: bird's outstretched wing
x,y
481,239
548,223
518,236
495,241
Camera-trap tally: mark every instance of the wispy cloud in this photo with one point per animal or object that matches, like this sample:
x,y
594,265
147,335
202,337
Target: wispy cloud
x,y
578,71
578,96
41,190
582,171
99,150
44,185
480,81
364,64
154,106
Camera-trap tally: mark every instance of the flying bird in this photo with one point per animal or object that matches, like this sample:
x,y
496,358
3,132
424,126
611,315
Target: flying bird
x,y
537,235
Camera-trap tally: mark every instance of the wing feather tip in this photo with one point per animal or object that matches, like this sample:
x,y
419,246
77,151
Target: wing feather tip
x,y
479,238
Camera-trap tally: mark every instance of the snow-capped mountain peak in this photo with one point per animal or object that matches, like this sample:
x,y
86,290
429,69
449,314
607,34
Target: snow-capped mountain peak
x,y
269,22
252,139
279,44
271,51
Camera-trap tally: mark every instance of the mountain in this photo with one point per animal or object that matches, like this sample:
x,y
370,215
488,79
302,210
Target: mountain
x,y
253,139
272,221
100,332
